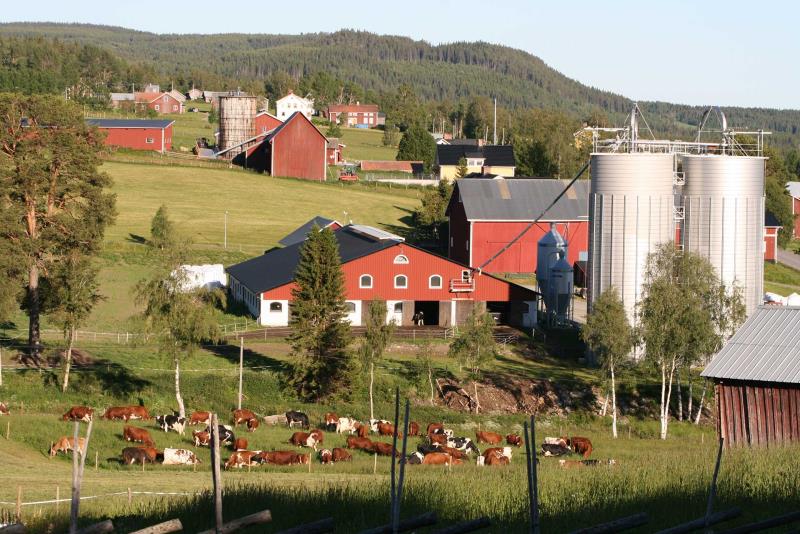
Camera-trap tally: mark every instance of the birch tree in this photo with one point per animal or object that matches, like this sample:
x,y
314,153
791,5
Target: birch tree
x,y
608,334
376,337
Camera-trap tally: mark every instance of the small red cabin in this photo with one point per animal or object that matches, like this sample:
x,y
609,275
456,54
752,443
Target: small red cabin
x,y
138,134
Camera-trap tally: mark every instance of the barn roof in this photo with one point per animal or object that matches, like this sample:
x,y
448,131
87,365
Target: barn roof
x,y
771,221
793,188
493,155
521,199
276,267
765,349
299,235
129,123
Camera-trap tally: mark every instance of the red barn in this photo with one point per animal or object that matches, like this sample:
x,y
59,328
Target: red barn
x,y
355,115
296,149
771,227
266,122
138,134
161,103
793,188
378,265
486,214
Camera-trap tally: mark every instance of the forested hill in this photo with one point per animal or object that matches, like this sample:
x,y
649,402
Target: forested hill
x,y
382,63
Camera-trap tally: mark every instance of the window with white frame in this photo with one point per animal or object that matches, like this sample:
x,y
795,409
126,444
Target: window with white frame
x,y
401,259
174,107
365,281
398,307
400,281
149,141
350,307
275,307
435,282
166,98
157,108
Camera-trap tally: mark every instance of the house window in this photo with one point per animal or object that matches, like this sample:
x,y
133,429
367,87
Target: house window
x,y
174,107
466,276
401,259
365,282
157,108
166,98
149,141
400,281
398,307
350,307
435,282
275,307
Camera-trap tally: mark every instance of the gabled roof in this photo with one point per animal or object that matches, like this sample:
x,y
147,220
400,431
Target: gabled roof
x,y
290,94
276,267
793,188
299,235
294,116
770,221
129,123
520,199
765,349
353,108
494,155
121,97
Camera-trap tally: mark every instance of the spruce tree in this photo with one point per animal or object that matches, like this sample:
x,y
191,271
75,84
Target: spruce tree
x,y
462,170
162,231
320,335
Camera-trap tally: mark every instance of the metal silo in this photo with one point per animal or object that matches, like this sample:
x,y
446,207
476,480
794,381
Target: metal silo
x,y
237,121
548,250
631,210
724,218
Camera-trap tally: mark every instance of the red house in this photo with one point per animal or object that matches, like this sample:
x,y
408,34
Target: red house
x,y
378,265
771,227
161,103
266,122
793,188
296,148
138,134
486,214
355,115
334,151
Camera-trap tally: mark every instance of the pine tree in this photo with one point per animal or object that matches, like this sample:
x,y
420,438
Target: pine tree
x,y
376,338
320,335
334,130
462,170
162,230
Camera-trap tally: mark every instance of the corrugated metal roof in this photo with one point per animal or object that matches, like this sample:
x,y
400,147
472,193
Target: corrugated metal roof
x,y
765,349
494,155
129,123
522,199
299,235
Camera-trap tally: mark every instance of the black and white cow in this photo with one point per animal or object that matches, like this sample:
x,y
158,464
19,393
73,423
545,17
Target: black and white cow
x,y
225,434
463,444
550,449
171,422
415,458
179,457
296,418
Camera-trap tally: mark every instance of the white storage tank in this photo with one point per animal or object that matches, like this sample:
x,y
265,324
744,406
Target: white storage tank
x,y
237,121
548,249
723,202
561,285
631,210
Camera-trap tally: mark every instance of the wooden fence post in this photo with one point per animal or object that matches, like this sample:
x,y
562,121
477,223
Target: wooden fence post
x,y
241,364
58,498
713,490
396,517
215,474
73,511
173,525
393,485
130,497
19,504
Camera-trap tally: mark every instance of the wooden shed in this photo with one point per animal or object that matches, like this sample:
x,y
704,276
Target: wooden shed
x,y
757,380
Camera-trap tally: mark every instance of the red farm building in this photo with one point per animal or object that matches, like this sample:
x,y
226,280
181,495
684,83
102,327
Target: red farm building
x,y
138,134
379,265
161,103
793,188
487,214
771,227
355,115
266,122
295,148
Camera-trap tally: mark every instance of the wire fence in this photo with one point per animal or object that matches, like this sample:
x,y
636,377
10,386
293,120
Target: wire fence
x,y
101,496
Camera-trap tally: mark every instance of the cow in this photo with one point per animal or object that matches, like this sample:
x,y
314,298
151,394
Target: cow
x,y
362,430
491,438
494,451
437,439
306,439
3,408
384,449
65,444
242,416
415,458
341,455
241,459
252,424
296,418
284,458
179,457
78,413
455,453
152,453
346,424
240,444
275,420
330,421
514,439
325,456
549,449
387,429
171,422
435,428
354,442
556,441
570,464
132,455
463,444
225,434
200,418
582,446
373,424
126,413
413,428
201,438
132,433
440,458
497,460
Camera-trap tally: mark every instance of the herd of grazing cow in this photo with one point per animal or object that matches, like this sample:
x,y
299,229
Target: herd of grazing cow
x,y
438,445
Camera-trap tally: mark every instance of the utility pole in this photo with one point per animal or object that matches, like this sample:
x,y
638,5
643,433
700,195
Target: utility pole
x,y
226,231
494,135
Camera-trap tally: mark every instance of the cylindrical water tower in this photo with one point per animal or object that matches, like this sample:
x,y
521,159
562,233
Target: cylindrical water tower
x,y
631,211
724,218
237,121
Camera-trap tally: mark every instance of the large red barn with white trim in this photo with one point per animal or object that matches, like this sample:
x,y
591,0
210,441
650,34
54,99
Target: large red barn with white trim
x,y
378,265
138,134
295,148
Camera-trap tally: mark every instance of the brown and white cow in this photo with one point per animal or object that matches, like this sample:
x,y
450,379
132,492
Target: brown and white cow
x,y
65,444
132,433
362,430
495,451
455,453
492,438
514,439
252,424
241,459
132,455
440,458
284,458
582,446
242,416
413,428
387,429
384,449
325,456
3,408
201,438
496,460
152,453
240,444
330,421
346,425
307,439
437,439
126,413
341,455
435,428
179,457
200,418
78,413
354,442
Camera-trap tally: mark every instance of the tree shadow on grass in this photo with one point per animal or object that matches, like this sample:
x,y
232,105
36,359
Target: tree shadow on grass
x,y
138,239
100,376
252,359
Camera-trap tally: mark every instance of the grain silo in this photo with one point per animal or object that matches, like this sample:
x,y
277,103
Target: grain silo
x,y
723,200
631,211
237,122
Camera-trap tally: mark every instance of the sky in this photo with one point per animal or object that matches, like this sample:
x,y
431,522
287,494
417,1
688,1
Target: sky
x,y
681,51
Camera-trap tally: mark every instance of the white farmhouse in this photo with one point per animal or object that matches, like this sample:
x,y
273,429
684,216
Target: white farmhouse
x,y
291,103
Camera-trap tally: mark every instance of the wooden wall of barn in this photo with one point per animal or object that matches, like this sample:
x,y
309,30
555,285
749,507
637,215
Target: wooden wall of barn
x,y
758,413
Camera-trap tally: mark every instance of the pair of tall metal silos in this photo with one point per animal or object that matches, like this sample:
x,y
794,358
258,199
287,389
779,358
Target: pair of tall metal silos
x,y
632,209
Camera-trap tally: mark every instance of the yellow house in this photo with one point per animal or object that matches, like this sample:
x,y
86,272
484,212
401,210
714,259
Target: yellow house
x,y
481,160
